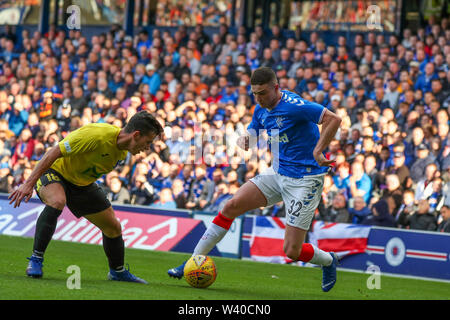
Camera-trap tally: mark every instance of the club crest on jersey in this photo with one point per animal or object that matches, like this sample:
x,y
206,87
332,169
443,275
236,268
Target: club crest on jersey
x,y
279,121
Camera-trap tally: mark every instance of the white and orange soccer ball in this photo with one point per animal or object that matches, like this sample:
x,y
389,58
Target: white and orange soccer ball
x,y
200,271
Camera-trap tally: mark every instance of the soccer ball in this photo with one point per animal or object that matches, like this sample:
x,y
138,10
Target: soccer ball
x,y
200,271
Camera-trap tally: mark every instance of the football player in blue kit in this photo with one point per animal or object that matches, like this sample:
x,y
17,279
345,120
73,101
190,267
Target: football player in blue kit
x,y
296,175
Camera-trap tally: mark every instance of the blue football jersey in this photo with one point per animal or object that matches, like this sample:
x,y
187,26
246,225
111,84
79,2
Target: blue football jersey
x,y
293,134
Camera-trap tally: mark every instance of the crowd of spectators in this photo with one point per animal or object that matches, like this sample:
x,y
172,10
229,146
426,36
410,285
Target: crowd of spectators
x,y
391,152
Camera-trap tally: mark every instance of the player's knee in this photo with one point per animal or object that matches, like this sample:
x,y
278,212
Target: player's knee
x,y
232,209
53,196
113,230
56,202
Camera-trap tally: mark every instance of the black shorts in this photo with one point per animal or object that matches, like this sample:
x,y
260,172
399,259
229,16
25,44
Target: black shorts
x,y
81,200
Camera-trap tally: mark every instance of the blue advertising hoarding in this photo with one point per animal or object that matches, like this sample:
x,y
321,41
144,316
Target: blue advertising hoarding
x,y
405,252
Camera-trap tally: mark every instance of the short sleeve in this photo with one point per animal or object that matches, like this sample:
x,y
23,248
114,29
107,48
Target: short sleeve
x,y
78,141
310,111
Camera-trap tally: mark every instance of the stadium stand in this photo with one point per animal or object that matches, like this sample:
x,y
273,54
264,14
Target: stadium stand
x,y
392,92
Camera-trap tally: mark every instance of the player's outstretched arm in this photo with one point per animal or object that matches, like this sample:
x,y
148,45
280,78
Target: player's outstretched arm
x,y
25,191
330,125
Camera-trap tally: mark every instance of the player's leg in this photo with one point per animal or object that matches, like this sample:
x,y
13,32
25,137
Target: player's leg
x,y
54,198
297,250
91,203
113,245
247,198
301,197
52,193
258,192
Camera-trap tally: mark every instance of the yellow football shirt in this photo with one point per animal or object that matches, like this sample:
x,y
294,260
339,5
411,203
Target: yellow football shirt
x,y
88,153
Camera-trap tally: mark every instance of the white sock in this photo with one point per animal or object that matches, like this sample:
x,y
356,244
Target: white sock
x,y
320,257
210,238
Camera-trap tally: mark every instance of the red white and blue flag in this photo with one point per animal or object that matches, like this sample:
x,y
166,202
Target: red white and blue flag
x,y
341,238
266,240
267,237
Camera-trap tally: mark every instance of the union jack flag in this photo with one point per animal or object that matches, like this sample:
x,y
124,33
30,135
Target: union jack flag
x,y
266,241
341,238
267,237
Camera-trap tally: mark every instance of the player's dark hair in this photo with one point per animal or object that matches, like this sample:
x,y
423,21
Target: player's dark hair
x,y
263,75
144,122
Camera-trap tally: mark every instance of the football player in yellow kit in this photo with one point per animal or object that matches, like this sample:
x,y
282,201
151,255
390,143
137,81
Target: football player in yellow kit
x,y
66,175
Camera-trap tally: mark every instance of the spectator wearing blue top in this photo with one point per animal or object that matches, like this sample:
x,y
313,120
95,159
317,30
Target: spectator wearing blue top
x,y
359,211
17,118
285,60
168,181
253,60
342,178
144,40
165,200
359,182
229,95
421,57
302,85
152,78
9,53
116,82
424,79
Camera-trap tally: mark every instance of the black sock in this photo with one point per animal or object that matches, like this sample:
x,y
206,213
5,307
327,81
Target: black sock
x,y
45,228
115,251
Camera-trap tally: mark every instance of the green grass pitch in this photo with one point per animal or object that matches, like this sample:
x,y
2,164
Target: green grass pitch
x,y
236,280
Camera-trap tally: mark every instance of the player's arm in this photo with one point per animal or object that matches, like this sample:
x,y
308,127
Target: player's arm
x,y
330,124
25,191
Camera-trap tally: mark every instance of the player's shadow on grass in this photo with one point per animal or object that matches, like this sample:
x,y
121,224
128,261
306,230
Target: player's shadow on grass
x,y
241,294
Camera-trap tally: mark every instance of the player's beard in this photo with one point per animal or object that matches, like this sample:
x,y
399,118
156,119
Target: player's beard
x,y
137,150
274,102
